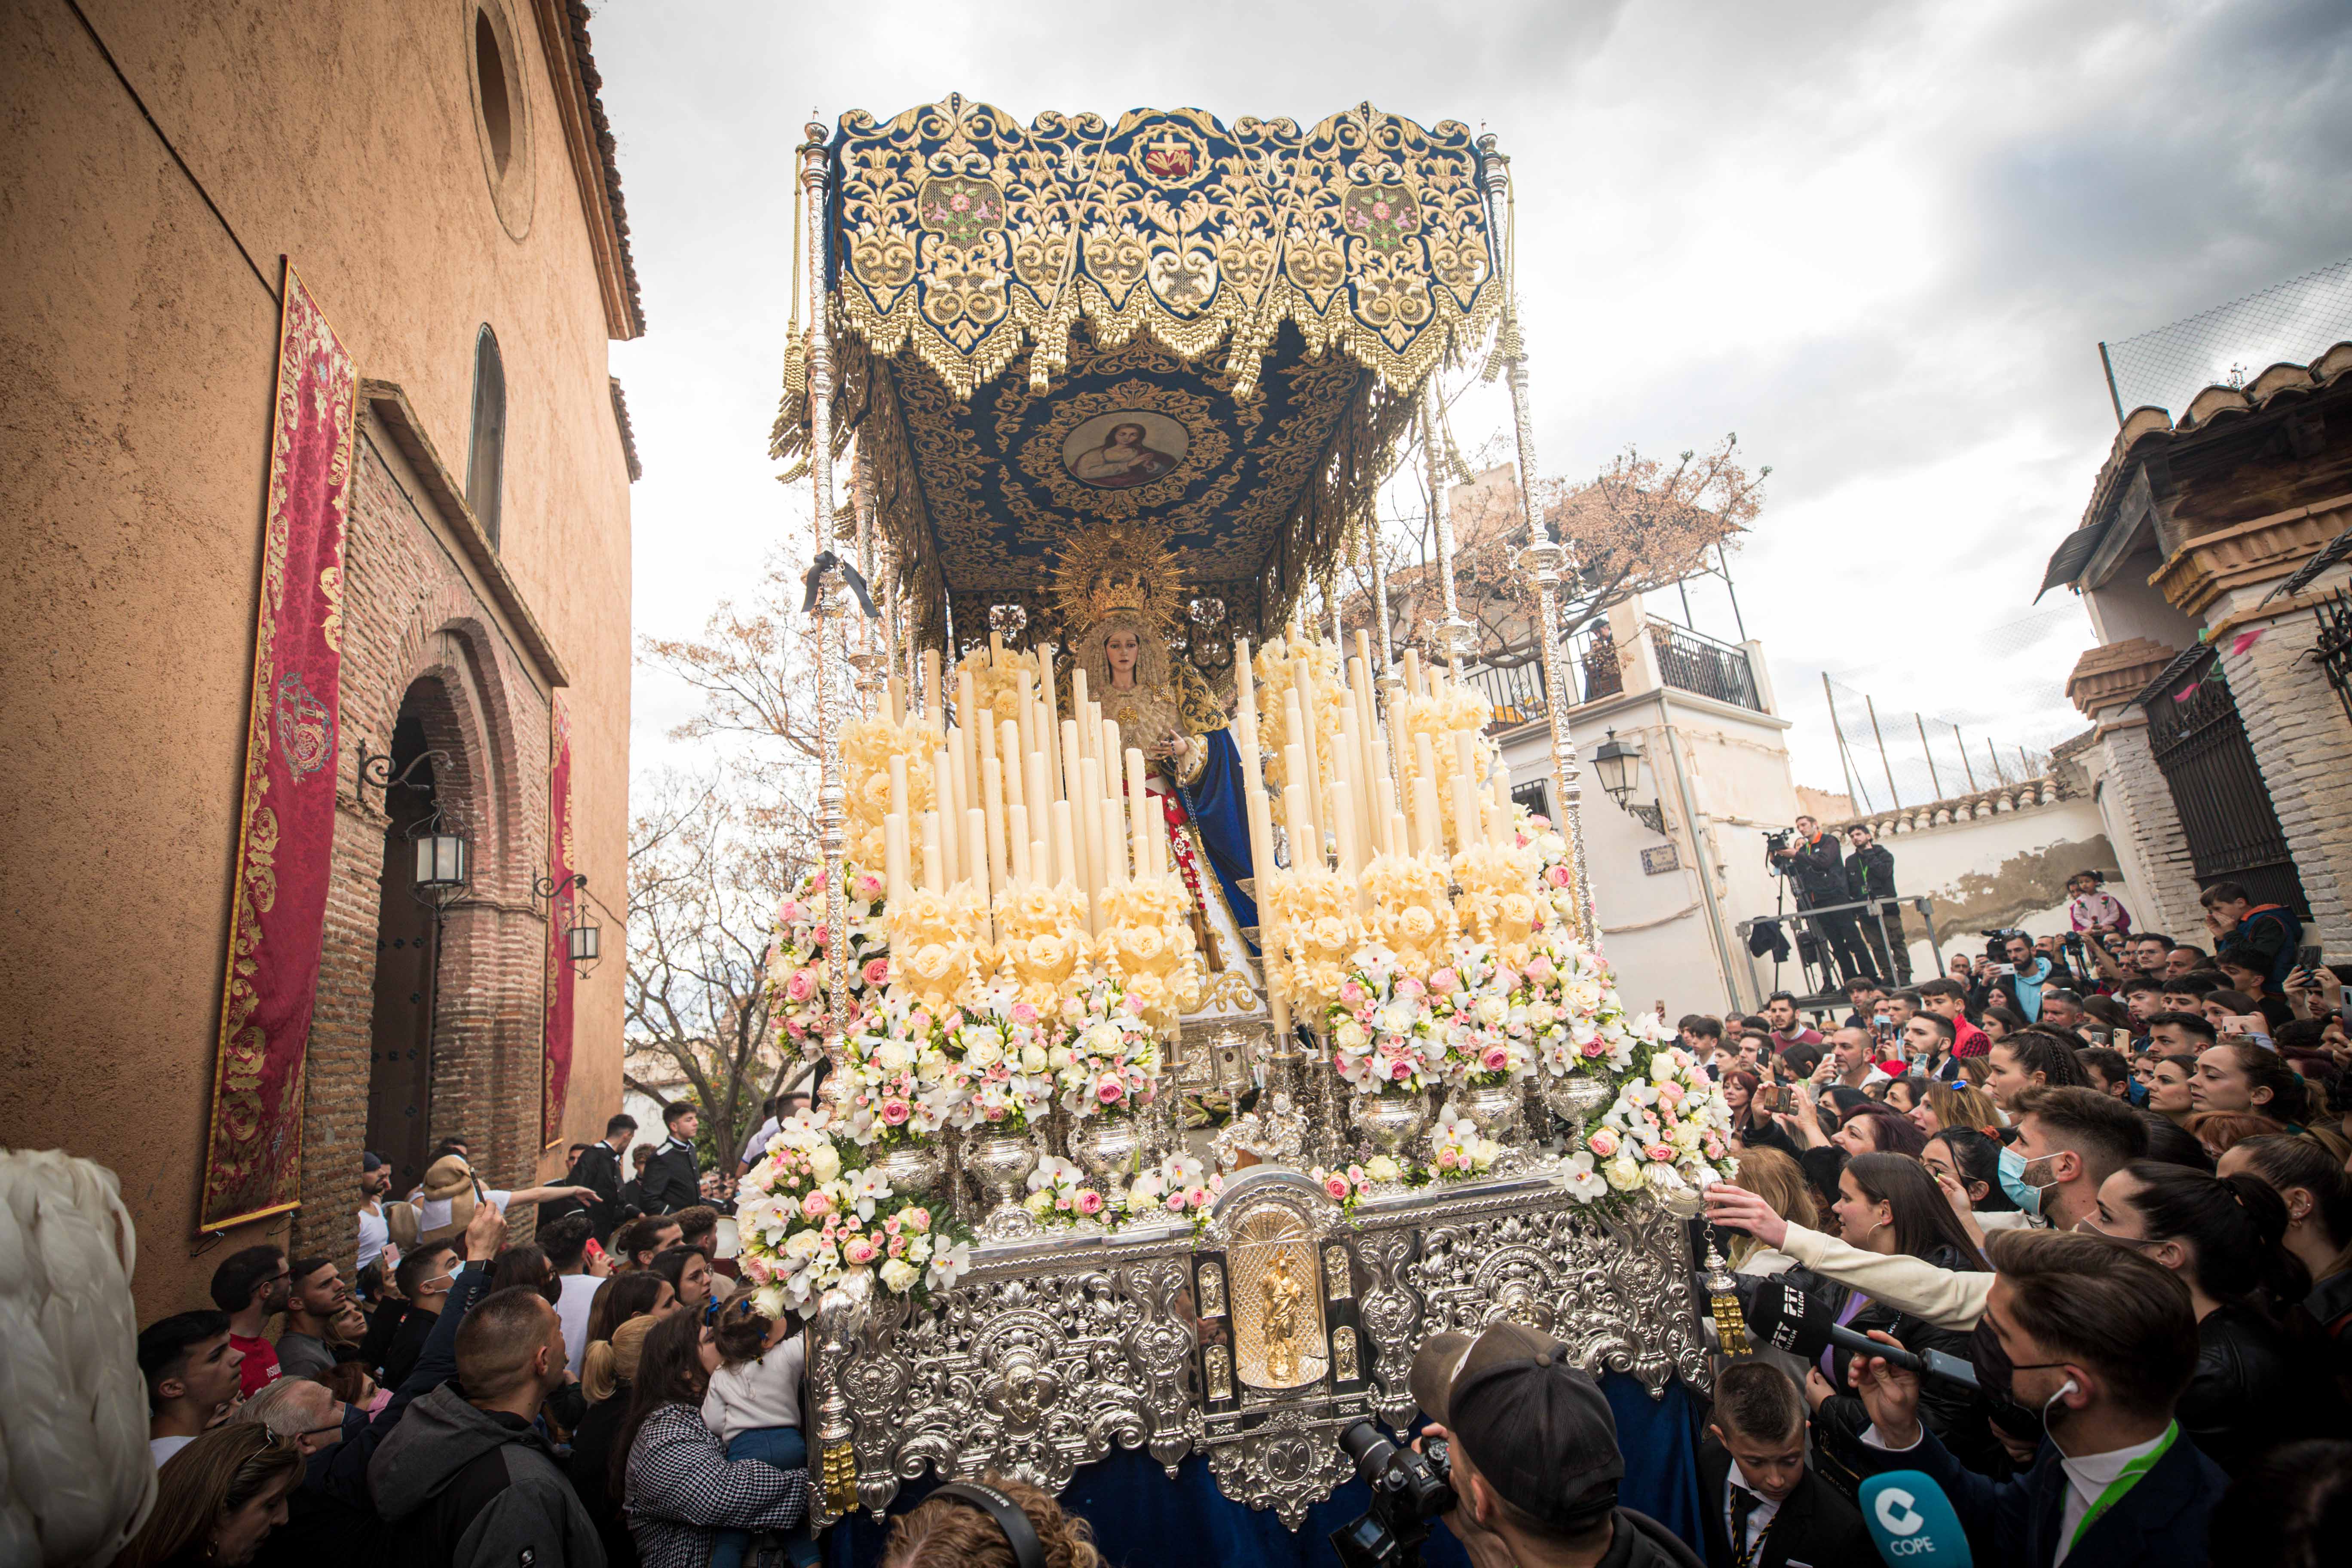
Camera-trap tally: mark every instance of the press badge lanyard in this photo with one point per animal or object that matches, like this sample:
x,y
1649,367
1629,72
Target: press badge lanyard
x,y
2130,1478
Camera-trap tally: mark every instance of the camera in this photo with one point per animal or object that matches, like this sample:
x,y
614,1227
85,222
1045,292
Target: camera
x,y
1997,941
1778,841
1409,1489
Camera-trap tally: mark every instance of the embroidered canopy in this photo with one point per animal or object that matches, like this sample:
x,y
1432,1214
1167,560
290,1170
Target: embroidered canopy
x,y
1212,330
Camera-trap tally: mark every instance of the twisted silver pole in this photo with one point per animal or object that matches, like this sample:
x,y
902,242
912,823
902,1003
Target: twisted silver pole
x,y
831,817
1452,632
1549,564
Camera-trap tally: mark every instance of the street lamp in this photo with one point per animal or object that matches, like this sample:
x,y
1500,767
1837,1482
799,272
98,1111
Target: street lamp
x,y
581,946
1618,766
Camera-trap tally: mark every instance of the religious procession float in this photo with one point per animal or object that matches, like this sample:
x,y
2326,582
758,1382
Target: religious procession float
x,y
1207,1023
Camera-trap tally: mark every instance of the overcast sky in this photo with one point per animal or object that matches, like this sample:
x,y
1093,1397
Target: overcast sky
x,y
1880,242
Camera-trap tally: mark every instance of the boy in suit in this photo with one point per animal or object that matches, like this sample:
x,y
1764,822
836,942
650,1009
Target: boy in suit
x,y
1763,1509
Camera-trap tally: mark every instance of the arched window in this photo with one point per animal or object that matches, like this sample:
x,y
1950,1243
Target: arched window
x,y
486,466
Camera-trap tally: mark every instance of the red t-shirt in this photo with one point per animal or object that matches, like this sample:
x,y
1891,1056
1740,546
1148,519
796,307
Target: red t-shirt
x,y
1968,1039
259,1369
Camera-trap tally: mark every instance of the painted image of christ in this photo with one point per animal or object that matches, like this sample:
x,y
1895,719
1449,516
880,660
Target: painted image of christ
x,y
1126,458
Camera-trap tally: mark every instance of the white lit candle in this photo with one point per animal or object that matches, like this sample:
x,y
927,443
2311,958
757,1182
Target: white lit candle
x,y
992,804
1018,824
935,871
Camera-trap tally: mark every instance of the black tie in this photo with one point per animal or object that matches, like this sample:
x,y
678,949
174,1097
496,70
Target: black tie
x,y
1743,1503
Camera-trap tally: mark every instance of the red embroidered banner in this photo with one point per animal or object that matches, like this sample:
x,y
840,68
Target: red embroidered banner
x,y
286,823
556,1076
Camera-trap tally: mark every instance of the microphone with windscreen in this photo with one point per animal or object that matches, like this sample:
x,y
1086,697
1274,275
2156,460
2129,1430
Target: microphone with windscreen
x,y
1912,1523
1781,1315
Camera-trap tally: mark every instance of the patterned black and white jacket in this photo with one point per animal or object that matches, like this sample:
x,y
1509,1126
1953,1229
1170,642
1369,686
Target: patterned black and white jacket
x,y
683,1490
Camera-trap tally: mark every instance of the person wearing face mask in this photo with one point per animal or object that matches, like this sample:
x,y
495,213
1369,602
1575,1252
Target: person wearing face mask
x,y
2068,1141
2220,1234
2102,1342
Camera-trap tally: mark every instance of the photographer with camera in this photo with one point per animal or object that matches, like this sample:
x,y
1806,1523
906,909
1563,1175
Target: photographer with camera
x,y
1810,859
1870,874
1533,1456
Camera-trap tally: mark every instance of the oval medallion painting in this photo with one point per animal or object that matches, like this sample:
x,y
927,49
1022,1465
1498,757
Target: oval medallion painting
x,y
1121,450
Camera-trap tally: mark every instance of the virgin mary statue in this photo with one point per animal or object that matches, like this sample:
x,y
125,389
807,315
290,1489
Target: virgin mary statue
x,y
1120,599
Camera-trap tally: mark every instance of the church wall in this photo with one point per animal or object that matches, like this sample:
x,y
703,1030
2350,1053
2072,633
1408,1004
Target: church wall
x,y
138,348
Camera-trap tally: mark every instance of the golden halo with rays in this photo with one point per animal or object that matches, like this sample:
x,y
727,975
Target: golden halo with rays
x,y
1117,567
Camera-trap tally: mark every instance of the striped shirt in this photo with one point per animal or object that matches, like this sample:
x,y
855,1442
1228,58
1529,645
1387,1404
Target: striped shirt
x,y
683,1490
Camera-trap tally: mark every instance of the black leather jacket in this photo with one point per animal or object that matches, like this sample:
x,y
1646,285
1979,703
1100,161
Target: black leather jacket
x,y
1870,873
2247,1395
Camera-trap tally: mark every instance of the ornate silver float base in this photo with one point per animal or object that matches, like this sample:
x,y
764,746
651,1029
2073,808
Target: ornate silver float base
x,y
1054,1349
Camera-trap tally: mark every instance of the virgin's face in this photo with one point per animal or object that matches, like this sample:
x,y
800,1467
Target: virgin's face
x,y
1119,651
1127,435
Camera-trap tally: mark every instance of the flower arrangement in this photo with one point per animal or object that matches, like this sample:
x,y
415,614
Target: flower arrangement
x,y
1577,1021
798,977
1111,1062
867,747
1350,1187
1555,880
1457,1150
809,1219
1059,1196
999,1048
1147,945
1497,900
1385,1037
1178,1187
1488,1030
895,1084
1310,912
996,680
1669,1130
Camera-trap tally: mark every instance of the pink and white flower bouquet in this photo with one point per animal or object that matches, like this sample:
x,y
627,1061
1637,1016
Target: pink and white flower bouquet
x,y
809,1217
998,1050
1107,1063
1669,1130
1457,1150
1386,1037
1488,1036
798,968
1180,1187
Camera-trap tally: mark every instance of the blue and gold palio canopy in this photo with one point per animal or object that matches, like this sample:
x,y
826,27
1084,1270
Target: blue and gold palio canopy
x,y
1214,333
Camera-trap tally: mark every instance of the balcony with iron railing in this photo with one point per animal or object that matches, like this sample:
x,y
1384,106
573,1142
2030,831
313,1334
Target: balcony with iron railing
x,y
1512,682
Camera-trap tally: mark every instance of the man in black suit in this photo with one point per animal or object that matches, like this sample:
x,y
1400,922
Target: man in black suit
x,y
673,1178
2102,1340
599,1170
1763,1509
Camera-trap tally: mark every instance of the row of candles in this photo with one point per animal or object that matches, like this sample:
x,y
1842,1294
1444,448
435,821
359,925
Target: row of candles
x,y
1035,799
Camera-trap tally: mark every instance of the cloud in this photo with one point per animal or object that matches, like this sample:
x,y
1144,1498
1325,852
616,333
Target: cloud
x,y
1879,242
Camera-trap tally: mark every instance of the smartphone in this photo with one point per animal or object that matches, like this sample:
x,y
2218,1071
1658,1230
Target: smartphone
x,y
2307,958
2004,969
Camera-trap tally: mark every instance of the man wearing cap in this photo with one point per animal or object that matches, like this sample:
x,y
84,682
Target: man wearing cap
x,y
1535,1457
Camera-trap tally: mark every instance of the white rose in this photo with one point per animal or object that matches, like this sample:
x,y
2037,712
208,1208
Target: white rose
x,y
898,1275
825,1163
1033,1058
981,1050
1351,1034
1624,1174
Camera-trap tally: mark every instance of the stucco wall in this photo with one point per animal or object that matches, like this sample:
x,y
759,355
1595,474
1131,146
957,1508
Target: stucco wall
x,y
136,357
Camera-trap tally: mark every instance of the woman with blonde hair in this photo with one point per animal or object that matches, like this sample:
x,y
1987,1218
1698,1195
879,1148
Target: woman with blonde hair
x,y
1780,1182
959,1531
217,1499
1955,1105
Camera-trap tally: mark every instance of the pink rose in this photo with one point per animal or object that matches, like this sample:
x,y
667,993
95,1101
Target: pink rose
x,y
891,1224
792,913
919,1022
1408,986
817,1205
801,985
1110,1091
1663,1153
1023,1014
1062,1202
1714,1149
1672,1093
1090,1201
1494,1058
895,1111
916,1220
1557,876
1400,1070
1351,992
1197,1197
1603,1144
877,971
1337,1186
868,886
858,1250
1175,1202
1445,980
1540,971
1445,1158
898,1246
1590,1049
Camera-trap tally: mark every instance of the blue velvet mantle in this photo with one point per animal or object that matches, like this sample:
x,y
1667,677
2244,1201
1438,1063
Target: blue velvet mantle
x,y
1143,1520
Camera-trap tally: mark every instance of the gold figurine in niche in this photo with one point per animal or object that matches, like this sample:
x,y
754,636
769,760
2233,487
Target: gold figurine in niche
x,y
1212,1290
1221,1375
1281,1330
1343,1353
1336,1286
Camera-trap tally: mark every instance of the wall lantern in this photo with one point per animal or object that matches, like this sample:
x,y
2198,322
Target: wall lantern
x,y
581,942
444,861
1618,766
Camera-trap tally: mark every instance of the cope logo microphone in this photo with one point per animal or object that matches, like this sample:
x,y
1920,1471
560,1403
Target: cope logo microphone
x,y
1912,1523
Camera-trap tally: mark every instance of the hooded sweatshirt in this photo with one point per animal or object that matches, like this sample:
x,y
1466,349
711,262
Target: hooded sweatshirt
x,y
477,1488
